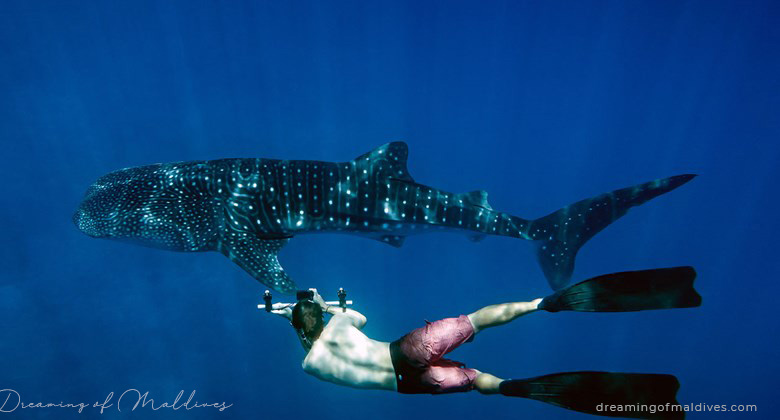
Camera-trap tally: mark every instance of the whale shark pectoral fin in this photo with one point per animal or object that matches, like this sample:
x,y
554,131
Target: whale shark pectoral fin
x,y
392,240
386,161
258,257
475,198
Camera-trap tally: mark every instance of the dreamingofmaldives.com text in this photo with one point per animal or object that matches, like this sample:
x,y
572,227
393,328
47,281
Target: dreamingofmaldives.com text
x,y
671,408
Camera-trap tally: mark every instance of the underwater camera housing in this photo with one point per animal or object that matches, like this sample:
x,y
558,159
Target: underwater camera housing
x,y
304,295
300,295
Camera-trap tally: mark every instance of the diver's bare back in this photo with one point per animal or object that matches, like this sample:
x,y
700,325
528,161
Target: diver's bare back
x,y
344,355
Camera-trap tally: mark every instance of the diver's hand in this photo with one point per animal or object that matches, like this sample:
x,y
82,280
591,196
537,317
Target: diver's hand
x,y
318,299
282,309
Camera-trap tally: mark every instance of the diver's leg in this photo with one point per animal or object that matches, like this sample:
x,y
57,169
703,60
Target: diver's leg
x,y
494,315
487,384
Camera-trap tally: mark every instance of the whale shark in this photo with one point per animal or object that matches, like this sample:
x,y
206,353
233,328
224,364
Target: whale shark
x,y
249,208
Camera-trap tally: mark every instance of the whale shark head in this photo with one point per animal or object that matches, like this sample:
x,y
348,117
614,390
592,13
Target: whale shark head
x,y
148,205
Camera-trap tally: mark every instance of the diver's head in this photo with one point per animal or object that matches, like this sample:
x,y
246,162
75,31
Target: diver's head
x,y
307,319
145,205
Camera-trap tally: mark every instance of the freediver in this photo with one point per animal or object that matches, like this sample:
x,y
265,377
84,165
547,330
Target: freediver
x,y
339,352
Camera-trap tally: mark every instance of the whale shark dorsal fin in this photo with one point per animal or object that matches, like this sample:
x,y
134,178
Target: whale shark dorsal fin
x,y
387,161
476,198
258,257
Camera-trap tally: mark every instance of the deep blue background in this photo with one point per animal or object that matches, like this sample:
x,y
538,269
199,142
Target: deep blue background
x,y
539,103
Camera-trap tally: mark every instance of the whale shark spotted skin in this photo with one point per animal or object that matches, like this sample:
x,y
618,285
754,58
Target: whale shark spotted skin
x,y
248,209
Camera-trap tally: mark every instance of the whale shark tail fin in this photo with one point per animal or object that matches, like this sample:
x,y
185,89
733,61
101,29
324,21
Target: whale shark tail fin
x,y
561,234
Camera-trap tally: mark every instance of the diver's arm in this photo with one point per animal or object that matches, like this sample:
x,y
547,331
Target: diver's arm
x,y
356,318
284,312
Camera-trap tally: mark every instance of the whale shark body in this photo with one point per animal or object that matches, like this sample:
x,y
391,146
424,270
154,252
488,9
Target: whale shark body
x,y
248,209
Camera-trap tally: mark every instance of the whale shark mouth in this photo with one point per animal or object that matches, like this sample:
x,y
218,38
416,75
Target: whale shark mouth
x,y
85,224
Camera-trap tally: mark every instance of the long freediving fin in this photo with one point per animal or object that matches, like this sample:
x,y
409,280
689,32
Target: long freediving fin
x,y
563,232
638,395
662,288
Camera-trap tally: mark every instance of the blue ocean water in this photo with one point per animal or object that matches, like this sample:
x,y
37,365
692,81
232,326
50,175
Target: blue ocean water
x,y
539,103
